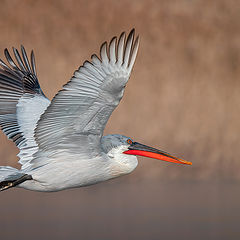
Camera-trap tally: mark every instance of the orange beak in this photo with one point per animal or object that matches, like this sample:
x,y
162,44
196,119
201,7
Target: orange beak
x,y
143,150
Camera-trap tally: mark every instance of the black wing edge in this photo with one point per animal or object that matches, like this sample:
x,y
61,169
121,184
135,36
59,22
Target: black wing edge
x,y
21,72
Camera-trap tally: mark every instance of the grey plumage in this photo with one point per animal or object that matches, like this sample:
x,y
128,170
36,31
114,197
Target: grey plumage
x,y
86,102
18,82
46,131
15,82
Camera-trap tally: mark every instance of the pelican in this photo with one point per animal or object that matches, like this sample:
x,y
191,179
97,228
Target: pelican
x,y
61,143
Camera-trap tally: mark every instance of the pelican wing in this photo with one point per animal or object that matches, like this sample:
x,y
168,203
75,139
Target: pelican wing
x,y
21,102
79,112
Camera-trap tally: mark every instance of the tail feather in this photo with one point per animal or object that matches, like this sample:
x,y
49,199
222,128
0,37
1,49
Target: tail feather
x,y
11,177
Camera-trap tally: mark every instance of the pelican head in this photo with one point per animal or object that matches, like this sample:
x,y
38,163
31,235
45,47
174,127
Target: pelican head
x,y
123,150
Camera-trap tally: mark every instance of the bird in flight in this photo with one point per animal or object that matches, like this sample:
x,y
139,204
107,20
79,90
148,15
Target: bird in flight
x,y
61,141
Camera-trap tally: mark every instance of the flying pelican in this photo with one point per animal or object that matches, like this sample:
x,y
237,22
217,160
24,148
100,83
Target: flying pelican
x,y
61,141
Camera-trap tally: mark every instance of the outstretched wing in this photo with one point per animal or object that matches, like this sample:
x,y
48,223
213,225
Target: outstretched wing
x,y
21,102
80,111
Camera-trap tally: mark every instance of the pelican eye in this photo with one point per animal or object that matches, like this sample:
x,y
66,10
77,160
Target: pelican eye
x,y
129,141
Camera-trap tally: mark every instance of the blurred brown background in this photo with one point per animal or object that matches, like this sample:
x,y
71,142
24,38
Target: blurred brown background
x,y
183,97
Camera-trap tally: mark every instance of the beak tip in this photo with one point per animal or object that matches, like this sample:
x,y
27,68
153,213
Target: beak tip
x,y
186,162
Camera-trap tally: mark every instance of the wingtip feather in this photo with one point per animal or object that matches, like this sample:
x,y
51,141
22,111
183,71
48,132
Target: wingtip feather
x,y
25,59
103,53
134,53
33,63
120,48
19,59
128,48
112,50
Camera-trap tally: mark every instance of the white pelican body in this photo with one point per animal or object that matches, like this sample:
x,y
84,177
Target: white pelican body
x,y
61,141
67,170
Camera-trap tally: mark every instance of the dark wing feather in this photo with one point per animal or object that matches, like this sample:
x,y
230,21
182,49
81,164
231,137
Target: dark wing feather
x,y
21,101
